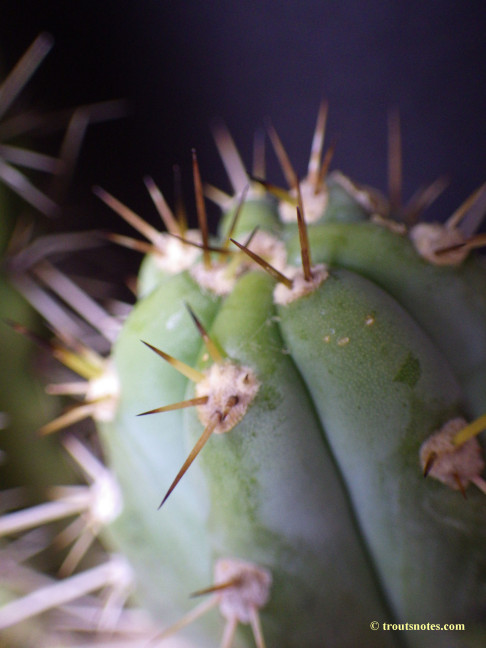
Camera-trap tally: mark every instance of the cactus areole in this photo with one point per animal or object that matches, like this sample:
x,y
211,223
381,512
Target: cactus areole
x,y
295,426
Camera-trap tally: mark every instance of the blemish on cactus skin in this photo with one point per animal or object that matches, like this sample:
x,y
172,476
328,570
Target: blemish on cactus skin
x,y
410,371
343,341
174,321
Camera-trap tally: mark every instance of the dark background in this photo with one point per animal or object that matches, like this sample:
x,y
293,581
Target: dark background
x,y
183,63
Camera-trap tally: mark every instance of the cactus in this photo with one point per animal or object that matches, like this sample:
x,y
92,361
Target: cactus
x,y
267,415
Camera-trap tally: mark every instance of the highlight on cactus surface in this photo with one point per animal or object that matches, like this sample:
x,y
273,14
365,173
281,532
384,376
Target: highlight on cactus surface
x,y
288,381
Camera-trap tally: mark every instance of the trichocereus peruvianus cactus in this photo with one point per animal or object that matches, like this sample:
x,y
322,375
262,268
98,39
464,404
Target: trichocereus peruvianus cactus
x,y
289,420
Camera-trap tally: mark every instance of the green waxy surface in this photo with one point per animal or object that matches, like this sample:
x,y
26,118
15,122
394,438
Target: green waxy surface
x,y
427,543
341,206
145,452
448,302
320,482
337,538
276,497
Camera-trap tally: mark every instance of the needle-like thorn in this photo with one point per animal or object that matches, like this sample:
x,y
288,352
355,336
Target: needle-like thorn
x,y
200,246
180,366
258,167
326,163
180,209
213,350
470,431
283,158
162,207
130,242
201,210
278,192
216,588
175,406
429,463
395,177
203,439
313,169
460,485
128,215
265,265
236,216
304,246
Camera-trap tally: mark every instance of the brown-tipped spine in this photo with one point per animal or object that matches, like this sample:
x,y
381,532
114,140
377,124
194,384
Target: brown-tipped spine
x,y
201,210
281,278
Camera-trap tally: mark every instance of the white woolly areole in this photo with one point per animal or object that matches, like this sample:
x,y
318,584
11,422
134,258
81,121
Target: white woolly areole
x,y
430,238
300,286
452,464
230,389
314,203
104,391
250,592
220,278
173,255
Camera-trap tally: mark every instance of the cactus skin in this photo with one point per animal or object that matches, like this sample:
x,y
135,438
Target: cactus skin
x,y
319,485
396,376
316,560
448,302
144,450
311,547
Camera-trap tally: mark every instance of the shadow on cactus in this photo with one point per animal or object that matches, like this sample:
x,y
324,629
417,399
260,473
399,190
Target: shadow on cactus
x,y
279,391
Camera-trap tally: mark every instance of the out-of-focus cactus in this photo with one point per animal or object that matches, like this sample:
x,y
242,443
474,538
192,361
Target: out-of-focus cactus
x,y
31,466
24,406
279,391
